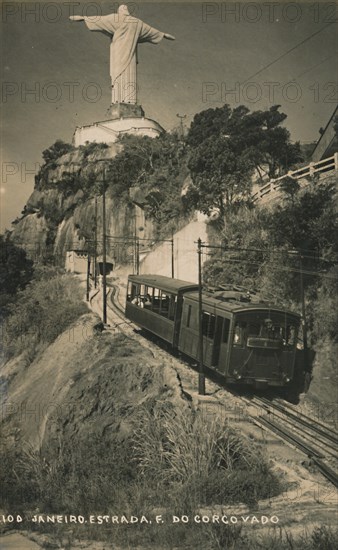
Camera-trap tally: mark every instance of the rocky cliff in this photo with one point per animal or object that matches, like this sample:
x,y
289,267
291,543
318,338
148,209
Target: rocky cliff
x,y
60,213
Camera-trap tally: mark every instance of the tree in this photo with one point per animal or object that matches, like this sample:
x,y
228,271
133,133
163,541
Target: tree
x,y
259,133
243,251
154,169
308,221
220,176
16,270
227,147
335,125
290,187
55,151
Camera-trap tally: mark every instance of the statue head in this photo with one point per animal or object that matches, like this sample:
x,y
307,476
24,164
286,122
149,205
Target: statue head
x,y
123,10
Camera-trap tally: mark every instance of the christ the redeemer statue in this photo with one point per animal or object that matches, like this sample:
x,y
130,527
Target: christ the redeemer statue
x,y
125,32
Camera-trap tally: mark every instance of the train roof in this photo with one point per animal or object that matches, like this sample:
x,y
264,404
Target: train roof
x,y
234,305
164,283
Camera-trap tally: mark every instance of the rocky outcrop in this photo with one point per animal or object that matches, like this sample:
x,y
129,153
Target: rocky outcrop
x,y
60,213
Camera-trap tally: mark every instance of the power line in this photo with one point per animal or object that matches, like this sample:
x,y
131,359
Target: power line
x,y
281,268
287,52
315,66
299,251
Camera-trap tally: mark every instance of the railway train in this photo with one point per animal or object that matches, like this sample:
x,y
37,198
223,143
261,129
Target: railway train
x,y
245,340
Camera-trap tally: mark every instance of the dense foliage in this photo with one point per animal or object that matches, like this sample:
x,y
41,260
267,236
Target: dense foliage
x,y
259,133
55,151
222,152
42,311
151,172
281,248
16,270
229,147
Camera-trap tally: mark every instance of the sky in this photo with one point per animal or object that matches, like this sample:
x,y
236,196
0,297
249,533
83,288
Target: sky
x,y
55,72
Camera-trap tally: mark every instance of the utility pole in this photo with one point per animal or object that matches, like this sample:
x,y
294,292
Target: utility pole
x,y
137,243
302,297
181,117
104,250
172,256
88,275
95,245
201,375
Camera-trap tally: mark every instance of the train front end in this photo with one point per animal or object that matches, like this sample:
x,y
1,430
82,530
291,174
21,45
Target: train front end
x,y
264,346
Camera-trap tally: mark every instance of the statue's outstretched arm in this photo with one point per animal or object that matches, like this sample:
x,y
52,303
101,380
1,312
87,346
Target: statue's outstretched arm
x,y
76,18
169,36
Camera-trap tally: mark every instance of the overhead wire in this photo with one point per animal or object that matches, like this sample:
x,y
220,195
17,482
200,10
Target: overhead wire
x,y
287,52
278,267
315,66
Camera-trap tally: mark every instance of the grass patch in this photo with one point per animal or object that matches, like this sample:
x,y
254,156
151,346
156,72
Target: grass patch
x,y
41,312
173,457
171,464
205,460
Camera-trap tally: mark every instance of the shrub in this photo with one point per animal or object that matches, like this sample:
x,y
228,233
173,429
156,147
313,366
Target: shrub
x,y
65,477
16,270
41,313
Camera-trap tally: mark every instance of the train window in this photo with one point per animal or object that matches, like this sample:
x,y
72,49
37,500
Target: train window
x,y
271,330
164,304
226,326
243,330
208,324
140,295
156,296
205,322
238,335
253,329
148,297
189,316
133,291
291,335
266,328
136,296
172,307
156,293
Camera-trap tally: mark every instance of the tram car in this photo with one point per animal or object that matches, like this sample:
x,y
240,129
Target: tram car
x,y
247,341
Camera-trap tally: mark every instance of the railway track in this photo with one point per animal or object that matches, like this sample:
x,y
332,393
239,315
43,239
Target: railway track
x,y
316,440
313,438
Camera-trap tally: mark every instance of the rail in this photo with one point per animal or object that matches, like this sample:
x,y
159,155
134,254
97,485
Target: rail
x,y
308,435
271,189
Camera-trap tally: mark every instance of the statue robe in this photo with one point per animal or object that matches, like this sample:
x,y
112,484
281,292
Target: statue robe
x,y
125,33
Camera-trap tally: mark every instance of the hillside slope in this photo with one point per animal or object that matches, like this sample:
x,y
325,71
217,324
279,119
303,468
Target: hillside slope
x,y
85,384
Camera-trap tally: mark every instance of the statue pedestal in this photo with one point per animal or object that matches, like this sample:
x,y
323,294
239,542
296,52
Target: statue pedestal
x,y
126,118
126,110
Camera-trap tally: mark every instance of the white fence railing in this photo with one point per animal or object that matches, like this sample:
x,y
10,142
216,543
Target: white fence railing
x,y
270,190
